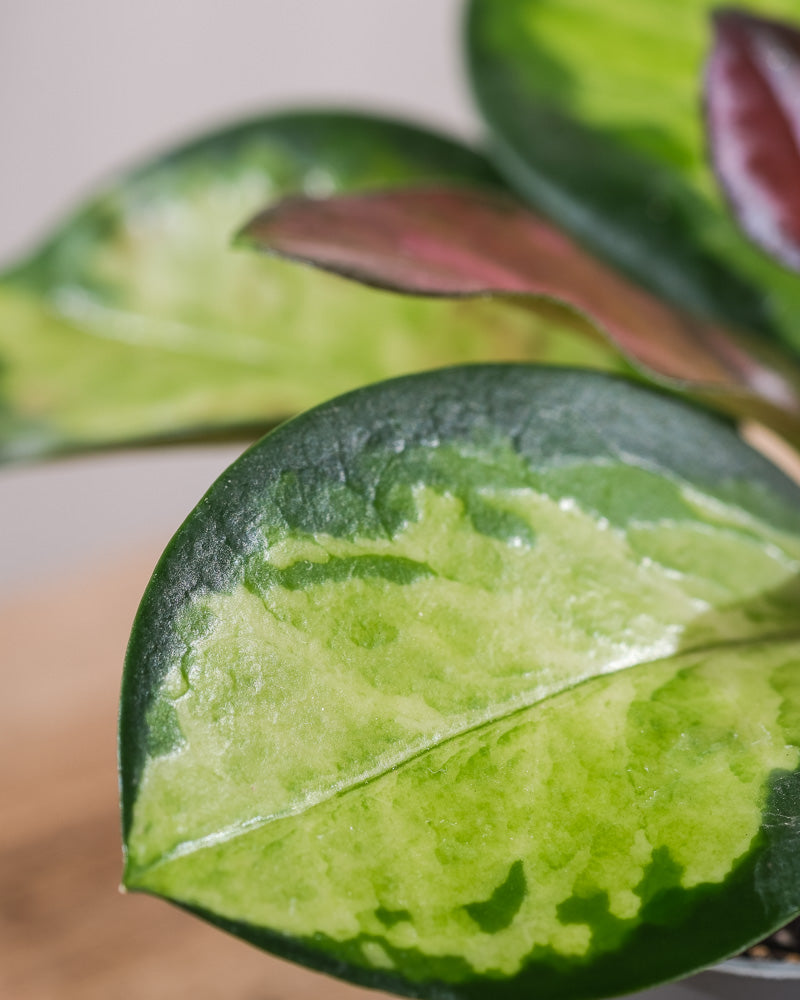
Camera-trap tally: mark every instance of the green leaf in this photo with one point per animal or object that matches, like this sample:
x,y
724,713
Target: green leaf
x,y
137,321
595,116
481,682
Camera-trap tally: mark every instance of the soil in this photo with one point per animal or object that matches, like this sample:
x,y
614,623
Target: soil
x,y
783,945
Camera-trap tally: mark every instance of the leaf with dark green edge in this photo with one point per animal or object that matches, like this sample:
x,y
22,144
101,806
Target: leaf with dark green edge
x,y
752,99
137,321
458,242
594,112
480,682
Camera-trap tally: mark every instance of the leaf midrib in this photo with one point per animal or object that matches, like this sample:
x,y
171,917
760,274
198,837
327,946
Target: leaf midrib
x,y
240,829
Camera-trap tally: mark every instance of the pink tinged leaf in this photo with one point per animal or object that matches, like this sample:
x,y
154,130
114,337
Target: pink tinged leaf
x,y
459,242
752,96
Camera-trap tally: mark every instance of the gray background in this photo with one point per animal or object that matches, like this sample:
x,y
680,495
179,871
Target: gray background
x,y
87,86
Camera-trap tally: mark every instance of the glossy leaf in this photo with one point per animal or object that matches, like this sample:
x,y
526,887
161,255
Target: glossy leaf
x,y
138,321
477,683
460,242
595,116
753,108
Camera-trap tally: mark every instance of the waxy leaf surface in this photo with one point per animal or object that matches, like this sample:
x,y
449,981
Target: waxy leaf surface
x,y
478,683
753,107
137,320
595,116
461,242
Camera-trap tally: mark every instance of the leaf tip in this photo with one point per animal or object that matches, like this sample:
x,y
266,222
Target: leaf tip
x,y
246,238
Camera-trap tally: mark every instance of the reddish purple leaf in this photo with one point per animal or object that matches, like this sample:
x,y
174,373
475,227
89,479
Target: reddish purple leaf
x,y
459,242
753,116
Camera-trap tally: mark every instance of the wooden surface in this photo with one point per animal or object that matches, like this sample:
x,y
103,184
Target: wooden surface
x,y
65,930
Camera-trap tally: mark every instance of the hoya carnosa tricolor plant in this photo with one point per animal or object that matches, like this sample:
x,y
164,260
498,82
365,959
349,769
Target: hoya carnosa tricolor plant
x,y
477,683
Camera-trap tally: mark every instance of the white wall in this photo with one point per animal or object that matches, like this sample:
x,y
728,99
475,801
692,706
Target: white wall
x,y
87,86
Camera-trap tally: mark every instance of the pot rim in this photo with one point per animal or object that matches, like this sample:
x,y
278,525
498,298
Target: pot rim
x,y
759,968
